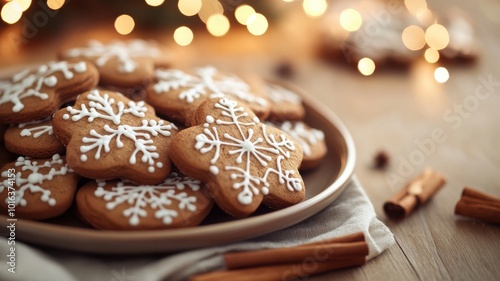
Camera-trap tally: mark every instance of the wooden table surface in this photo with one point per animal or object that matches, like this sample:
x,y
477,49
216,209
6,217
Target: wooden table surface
x,y
398,112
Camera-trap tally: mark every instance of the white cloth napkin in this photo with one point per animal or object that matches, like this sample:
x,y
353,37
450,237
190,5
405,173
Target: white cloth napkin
x,y
351,212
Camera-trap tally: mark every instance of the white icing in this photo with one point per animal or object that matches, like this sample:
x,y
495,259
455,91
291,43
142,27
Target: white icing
x,y
205,78
27,84
161,198
34,181
251,142
105,107
306,137
214,170
124,52
279,94
36,131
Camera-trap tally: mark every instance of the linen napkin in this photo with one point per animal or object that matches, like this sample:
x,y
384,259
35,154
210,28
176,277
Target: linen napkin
x,y
351,212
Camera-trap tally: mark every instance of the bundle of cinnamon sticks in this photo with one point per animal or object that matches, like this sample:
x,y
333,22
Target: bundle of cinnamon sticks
x,y
293,262
478,205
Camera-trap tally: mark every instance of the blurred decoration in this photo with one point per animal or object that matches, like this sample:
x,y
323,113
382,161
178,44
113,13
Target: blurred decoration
x,y
390,33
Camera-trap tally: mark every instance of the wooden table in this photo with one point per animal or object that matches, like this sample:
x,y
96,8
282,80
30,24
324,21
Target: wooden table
x,y
398,112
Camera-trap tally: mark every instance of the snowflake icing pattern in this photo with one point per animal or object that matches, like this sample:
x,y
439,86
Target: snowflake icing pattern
x,y
278,94
26,84
158,197
33,183
124,52
204,78
101,107
36,131
304,136
244,146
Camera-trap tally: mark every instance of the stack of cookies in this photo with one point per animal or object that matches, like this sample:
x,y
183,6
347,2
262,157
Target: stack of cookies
x,y
135,144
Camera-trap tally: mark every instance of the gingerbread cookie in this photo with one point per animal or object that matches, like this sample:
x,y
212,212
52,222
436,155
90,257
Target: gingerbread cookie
x,y
178,201
38,93
109,136
177,94
285,103
35,139
37,188
311,140
243,161
121,63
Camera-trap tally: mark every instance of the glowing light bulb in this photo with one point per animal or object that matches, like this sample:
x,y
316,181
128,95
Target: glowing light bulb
x,y
366,66
413,37
55,4
189,7
437,37
154,3
441,75
218,25
124,24
242,13
314,8
257,24
431,55
350,20
11,12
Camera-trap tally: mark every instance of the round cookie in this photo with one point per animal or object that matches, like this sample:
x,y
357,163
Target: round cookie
x,y
119,205
108,136
243,161
37,188
311,140
121,63
35,94
34,139
285,103
177,94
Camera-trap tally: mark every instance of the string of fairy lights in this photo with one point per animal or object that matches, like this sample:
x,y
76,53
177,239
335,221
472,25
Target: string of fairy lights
x,y
434,38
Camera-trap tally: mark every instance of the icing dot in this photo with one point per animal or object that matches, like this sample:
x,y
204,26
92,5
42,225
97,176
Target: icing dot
x,y
151,169
256,119
265,190
80,67
210,119
83,157
66,116
35,178
50,81
214,170
52,202
159,165
134,220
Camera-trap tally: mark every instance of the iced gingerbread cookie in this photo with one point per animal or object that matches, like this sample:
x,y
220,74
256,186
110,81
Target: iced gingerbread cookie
x,y
285,103
108,136
311,140
178,201
121,63
34,139
243,161
37,188
35,94
177,94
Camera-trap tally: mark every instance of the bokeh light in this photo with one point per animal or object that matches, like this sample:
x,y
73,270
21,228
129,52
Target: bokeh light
x,y
366,66
415,6
314,8
437,37
25,4
183,36
441,75
124,24
154,3
55,4
209,8
431,55
218,25
350,20
189,7
242,13
413,37
257,24
11,12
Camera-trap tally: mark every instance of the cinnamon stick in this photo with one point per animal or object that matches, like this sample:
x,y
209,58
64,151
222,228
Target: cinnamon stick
x,y
418,191
478,205
323,252
280,272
